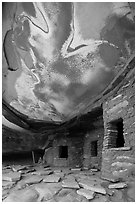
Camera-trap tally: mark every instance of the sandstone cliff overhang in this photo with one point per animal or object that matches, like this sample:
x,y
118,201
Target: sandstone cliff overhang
x,y
93,107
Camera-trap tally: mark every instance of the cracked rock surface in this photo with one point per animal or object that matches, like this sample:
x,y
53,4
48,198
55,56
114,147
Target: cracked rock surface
x,y
39,183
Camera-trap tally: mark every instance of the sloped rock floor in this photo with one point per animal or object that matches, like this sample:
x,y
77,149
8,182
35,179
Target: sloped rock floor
x,y
41,183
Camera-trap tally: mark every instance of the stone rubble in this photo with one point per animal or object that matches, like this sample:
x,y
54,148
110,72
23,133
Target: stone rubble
x,y
61,185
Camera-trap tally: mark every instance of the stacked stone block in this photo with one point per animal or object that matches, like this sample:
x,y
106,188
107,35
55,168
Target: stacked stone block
x,y
95,135
120,105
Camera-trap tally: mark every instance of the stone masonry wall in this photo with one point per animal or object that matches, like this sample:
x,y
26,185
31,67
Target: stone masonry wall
x,y
119,162
95,135
75,152
79,148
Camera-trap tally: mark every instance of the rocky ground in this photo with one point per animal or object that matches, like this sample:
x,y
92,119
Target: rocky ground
x,y
41,183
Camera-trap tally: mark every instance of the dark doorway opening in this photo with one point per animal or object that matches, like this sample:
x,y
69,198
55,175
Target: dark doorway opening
x,y
94,148
63,152
118,137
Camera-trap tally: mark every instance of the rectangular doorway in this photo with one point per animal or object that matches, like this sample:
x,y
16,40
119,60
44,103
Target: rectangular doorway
x,y
116,136
63,152
94,149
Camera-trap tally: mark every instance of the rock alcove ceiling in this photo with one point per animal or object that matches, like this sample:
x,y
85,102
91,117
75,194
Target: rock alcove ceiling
x,y
57,57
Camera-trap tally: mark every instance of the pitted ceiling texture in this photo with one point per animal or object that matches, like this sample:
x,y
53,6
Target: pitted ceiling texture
x,y
56,55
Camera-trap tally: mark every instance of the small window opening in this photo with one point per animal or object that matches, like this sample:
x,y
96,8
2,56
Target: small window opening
x,y
94,149
116,133
63,152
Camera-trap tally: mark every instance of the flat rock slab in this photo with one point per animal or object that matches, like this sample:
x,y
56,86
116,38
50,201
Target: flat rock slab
x,y
25,195
90,185
66,171
52,179
93,170
112,178
67,183
42,172
88,181
18,167
47,190
75,169
32,179
7,184
12,176
25,171
86,173
57,171
85,168
86,193
117,185
61,174
47,169
70,177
